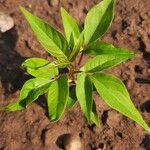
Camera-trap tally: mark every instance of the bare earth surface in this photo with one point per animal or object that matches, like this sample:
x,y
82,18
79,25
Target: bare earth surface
x,y
31,129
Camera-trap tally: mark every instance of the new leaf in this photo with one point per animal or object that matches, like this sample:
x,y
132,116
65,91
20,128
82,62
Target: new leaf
x,y
77,47
71,28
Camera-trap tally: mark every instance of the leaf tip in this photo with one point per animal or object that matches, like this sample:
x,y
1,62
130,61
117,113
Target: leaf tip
x,y
5,108
23,65
138,55
22,9
146,127
62,9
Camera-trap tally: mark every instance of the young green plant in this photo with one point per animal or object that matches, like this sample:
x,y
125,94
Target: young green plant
x,y
65,82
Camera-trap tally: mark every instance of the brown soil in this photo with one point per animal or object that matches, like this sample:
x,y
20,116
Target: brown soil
x,y
31,129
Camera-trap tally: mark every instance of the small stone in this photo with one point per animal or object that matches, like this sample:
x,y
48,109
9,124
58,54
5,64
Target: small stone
x,y
73,142
6,22
54,2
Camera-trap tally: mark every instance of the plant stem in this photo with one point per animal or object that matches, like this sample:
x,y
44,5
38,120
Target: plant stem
x,y
80,59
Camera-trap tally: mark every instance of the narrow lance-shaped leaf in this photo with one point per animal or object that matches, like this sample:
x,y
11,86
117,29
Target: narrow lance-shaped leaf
x,y
13,107
98,20
39,67
100,48
71,28
30,91
77,47
72,99
94,115
50,38
102,62
57,97
114,93
84,95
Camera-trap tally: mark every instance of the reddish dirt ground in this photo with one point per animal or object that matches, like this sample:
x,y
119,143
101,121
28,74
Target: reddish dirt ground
x,y
31,129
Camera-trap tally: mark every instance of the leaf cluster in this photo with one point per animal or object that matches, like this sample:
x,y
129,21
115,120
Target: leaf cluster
x,y
63,80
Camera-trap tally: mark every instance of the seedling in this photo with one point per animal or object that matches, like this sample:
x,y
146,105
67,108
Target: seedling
x,y
65,82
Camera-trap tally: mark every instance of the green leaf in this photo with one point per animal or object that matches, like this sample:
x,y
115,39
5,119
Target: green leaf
x,y
108,56
35,63
50,39
100,48
71,28
33,88
98,20
72,99
30,91
114,93
57,97
77,47
94,115
102,62
40,68
84,94
14,106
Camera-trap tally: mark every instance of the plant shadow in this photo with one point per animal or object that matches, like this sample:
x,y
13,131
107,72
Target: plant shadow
x,y
12,76
146,142
42,102
60,140
145,106
142,80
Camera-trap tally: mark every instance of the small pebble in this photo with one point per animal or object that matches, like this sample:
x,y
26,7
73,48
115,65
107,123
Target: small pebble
x,y
54,2
73,142
6,22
